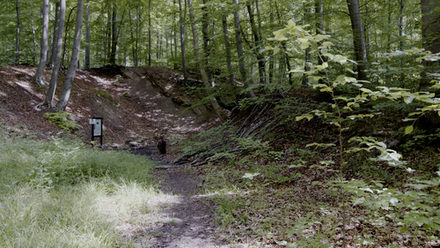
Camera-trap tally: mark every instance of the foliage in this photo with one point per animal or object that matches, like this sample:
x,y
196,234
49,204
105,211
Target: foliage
x,y
61,120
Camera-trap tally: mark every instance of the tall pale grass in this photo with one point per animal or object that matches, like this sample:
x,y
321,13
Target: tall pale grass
x,y
60,194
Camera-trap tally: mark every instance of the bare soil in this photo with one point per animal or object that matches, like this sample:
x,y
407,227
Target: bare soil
x,y
190,221
137,104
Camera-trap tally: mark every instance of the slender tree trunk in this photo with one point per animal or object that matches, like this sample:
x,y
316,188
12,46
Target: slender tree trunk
x,y
87,43
271,53
108,37
17,33
430,37
34,38
286,62
67,88
401,13
206,38
238,41
257,47
114,40
158,44
54,36
182,41
227,49
358,39
367,28
201,66
175,32
138,34
149,32
44,46
66,36
320,29
307,55
57,54
389,27
132,39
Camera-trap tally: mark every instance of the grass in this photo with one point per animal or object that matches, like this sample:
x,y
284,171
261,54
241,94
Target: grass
x,y
59,193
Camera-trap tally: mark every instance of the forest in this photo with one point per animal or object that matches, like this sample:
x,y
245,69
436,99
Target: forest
x,y
307,123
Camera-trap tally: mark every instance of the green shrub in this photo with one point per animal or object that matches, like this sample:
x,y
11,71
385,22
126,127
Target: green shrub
x,y
60,119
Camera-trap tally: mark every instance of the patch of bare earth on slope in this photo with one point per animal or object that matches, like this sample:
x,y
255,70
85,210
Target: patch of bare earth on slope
x,y
137,104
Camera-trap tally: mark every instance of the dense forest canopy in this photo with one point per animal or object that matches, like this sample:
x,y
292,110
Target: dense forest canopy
x,y
142,32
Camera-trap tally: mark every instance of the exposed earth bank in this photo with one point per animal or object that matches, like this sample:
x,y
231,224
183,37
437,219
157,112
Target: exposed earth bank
x,y
137,104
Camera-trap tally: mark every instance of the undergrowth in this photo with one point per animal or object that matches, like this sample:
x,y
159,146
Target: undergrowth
x,y
59,193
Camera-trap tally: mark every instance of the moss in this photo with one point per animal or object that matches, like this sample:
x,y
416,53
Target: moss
x,y
106,95
61,121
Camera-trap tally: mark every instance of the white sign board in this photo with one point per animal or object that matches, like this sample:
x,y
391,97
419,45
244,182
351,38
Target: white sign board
x,y
97,128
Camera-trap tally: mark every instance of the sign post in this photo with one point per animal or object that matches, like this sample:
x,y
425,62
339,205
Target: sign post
x,y
96,123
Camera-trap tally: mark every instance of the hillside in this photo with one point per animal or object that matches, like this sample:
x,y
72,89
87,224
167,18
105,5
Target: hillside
x,y
137,104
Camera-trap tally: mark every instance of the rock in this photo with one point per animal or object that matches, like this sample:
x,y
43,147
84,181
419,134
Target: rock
x,y
116,146
133,144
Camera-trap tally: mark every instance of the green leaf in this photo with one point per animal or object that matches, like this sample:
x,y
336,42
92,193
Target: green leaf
x,y
409,130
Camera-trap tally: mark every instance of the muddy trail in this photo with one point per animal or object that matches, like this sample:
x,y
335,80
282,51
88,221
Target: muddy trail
x,y
189,222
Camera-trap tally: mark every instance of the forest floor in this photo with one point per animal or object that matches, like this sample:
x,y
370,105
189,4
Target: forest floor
x,y
187,222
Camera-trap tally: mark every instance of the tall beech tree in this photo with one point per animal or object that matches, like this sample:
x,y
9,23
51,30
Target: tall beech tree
x,y
17,33
67,87
44,45
48,101
360,50
238,41
182,41
87,39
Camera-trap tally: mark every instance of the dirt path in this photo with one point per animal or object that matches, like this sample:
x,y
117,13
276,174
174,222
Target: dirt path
x,y
187,223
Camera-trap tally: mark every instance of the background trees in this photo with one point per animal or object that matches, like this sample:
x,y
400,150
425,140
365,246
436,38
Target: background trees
x,y
236,36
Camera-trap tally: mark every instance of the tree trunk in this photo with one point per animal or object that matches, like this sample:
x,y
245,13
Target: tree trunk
x,y
114,40
238,41
228,49
430,37
286,62
175,32
17,33
307,55
66,35
320,29
67,88
34,38
271,53
48,102
401,13
149,33
130,20
206,43
358,39
200,64
389,26
138,34
54,36
257,45
87,43
44,46
182,42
